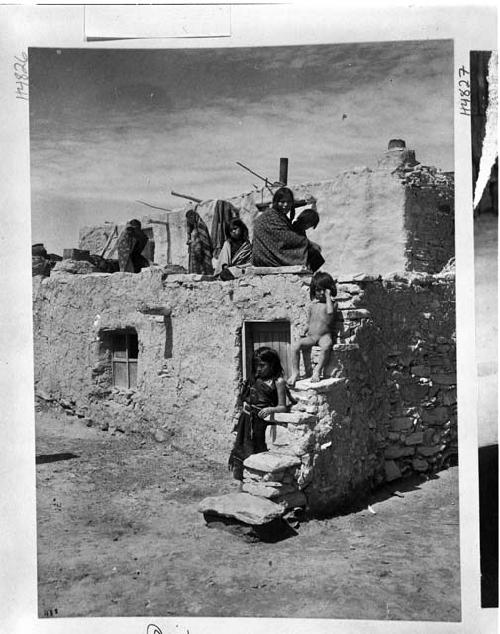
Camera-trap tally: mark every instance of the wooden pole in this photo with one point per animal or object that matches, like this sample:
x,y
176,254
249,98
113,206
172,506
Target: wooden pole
x,y
196,200
283,171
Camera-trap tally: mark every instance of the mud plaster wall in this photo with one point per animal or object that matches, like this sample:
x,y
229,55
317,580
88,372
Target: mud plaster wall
x,y
372,221
391,407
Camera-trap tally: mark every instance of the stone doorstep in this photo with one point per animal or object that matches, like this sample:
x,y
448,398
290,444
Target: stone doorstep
x,y
320,386
247,508
269,462
262,489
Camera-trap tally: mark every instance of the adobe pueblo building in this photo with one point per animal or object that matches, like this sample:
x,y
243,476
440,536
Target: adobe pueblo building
x,y
162,352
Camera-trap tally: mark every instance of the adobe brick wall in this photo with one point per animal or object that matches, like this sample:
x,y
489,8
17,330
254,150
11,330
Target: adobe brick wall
x,y
389,409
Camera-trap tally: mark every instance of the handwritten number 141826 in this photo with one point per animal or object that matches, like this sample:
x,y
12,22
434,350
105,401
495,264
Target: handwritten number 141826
x,y
21,76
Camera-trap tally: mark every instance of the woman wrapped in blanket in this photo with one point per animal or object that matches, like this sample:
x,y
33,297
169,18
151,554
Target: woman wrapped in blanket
x,y
275,242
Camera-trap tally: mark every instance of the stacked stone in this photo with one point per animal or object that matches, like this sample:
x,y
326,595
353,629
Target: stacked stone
x,y
429,222
282,473
274,476
421,377
423,176
422,435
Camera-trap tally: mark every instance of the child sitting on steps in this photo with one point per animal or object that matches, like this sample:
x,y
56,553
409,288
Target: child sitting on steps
x,y
320,330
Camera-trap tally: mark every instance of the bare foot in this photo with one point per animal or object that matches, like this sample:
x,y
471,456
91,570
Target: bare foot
x,y
292,379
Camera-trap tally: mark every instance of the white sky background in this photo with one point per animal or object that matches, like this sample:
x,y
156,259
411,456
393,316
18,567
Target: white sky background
x,y
109,127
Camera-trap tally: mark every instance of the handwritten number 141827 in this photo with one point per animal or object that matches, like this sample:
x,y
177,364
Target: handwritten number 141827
x,y
21,76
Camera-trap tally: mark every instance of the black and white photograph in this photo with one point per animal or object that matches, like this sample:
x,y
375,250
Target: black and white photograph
x,y
246,397
244,258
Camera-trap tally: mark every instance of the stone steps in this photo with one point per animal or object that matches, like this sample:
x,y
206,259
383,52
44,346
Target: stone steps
x,y
270,490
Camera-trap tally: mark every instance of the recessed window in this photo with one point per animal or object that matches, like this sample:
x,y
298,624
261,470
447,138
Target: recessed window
x,y
273,334
124,354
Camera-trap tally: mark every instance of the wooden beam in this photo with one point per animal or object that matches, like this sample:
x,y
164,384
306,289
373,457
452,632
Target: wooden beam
x,y
283,178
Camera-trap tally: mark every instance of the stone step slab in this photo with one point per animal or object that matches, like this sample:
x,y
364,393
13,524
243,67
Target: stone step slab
x,y
319,386
262,489
269,462
250,509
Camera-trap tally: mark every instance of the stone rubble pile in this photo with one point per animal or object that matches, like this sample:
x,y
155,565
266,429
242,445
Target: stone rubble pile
x,y
427,177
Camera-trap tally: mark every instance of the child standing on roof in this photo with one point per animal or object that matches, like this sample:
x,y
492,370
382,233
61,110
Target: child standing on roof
x,y
265,394
320,329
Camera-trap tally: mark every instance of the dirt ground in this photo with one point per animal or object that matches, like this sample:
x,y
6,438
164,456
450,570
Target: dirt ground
x,y
119,534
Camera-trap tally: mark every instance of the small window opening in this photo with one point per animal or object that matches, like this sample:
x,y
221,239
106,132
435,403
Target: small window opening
x,y
273,334
124,354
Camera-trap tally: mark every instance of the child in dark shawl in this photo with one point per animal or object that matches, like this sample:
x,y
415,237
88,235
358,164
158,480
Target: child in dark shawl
x,y
263,395
237,250
199,243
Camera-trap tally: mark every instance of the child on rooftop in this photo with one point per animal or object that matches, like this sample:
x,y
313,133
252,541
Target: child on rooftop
x,y
320,330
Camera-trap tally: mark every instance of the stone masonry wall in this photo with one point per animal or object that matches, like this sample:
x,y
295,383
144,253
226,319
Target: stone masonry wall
x,y
387,408
429,219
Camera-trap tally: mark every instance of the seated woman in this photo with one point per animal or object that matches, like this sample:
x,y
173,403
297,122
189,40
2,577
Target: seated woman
x,y
237,250
309,219
275,243
130,244
199,244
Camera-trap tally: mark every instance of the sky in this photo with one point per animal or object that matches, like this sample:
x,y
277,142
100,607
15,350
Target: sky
x,y
110,127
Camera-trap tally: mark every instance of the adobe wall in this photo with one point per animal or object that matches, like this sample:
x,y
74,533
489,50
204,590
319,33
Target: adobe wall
x,y
374,221
389,407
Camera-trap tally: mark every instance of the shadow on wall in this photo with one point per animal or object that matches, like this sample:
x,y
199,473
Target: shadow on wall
x,y
169,337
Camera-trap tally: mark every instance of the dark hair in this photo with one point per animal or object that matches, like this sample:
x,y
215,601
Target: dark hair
x,y
321,281
281,193
268,355
192,218
308,217
135,223
236,222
